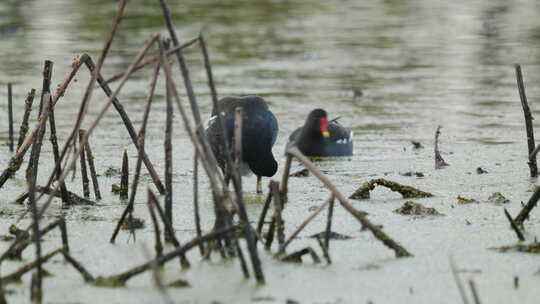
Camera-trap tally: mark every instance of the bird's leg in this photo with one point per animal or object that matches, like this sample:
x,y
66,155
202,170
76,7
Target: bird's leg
x,y
259,184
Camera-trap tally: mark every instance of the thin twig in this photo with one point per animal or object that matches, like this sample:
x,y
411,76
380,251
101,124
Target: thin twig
x,y
10,116
304,224
531,203
84,172
92,167
528,121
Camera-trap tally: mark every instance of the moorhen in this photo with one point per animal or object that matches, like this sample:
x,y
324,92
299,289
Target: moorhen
x,y
320,137
259,132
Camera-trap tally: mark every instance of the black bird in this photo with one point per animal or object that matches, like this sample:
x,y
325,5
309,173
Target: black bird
x,y
259,132
320,137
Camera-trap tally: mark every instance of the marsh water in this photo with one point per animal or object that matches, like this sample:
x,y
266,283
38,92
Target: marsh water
x,y
392,70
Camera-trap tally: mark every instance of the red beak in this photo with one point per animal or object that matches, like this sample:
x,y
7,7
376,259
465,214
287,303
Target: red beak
x,y
323,126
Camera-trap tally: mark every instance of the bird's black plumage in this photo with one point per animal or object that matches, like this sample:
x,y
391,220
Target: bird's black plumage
x,y
310,140
259,132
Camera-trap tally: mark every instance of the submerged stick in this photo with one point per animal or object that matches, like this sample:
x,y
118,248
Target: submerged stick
x,y
10,117
458,281
528,121
474,292
92,167
514,226
360,216
84,172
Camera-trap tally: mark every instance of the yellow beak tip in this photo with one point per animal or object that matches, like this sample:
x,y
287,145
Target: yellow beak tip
x,y
326,134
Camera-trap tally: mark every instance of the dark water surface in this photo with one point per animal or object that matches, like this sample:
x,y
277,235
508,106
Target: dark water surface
x,y
393,70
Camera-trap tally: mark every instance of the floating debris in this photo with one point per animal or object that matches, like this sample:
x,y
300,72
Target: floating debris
x,y
479,170
412,208
333,236
133,223
405,191
111,172
464,200
301,173
417,144
179,284
410,173
529,248
498,198
116,188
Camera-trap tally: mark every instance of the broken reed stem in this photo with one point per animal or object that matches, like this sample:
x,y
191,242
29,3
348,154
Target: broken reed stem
x,y
278,208
191,96
16,160
84,172
324,250
10,116
27,110
88,278
365,223
102,112
514,226
457,279
56,153
528,121
531,203
168,229
37,292
16,275
304,224
157,232
167,145
92,167
196,199
329,227
141,141
439,161
21,243
285,179
264,211
87,97
124,179
154,59
74,199
122,278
